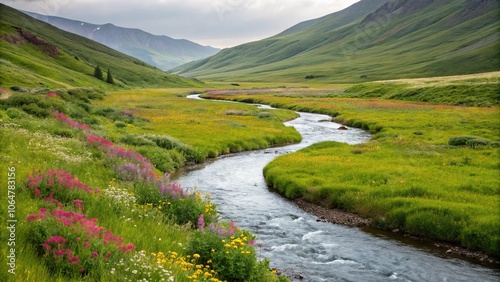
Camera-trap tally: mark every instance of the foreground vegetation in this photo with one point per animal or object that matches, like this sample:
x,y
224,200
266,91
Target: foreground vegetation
x,y
89,206
430,170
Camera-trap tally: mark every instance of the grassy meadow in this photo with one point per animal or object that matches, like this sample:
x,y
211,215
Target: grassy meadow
x,y
91,193
213,128
91,174
430,169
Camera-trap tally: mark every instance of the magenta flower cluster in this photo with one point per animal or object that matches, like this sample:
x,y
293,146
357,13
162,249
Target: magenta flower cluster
x,y
56,182
71,253
52,94
99,141
90,229
56,246
64,118
57,177
139,168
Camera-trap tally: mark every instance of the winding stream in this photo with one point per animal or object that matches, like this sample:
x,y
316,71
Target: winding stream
x,y
295,242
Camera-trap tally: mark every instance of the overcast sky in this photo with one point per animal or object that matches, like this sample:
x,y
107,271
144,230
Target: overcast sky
x,y
218,23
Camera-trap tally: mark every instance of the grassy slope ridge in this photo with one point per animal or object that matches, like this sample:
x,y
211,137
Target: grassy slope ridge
x,y
29,65
443,38
415,175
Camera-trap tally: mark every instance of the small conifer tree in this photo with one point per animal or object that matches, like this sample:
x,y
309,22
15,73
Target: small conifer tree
x,y
98,73
109,78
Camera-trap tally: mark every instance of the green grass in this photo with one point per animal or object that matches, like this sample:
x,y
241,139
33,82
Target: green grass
x,y
461,91
408,177
32,142
213,128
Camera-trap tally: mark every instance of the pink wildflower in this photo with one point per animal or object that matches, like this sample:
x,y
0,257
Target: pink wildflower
x,y
108,254
62,117
78,204
52,94
97,140
127,248
54,241
201,223
36,217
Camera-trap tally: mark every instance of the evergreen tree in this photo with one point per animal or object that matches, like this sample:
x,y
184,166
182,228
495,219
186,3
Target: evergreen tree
x,y
109,78
98,73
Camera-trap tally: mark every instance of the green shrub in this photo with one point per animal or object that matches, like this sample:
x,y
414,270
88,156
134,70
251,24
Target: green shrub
x,y
120,124
147,194
136,140
167,142
470,141
86,94
63,132
482,235
435,223
77,112
184,211
163,160
34,104
232,257
15,113
460,140
34,109
265,115
104,111
90,120
478,142
495,144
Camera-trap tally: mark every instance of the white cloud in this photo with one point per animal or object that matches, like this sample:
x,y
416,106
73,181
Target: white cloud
x,y
220,23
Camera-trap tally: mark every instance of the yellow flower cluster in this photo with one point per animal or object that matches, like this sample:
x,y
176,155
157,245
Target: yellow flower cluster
x,y
195,272
209,208
238,243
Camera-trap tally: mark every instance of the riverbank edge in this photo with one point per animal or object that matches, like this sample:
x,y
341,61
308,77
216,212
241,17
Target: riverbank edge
x,y
337,216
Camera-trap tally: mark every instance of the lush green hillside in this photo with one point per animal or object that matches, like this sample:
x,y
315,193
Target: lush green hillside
x,y
369,41
36,54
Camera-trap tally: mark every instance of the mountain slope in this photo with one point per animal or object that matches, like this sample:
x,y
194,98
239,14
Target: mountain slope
x,y
36,54
160,51
371,39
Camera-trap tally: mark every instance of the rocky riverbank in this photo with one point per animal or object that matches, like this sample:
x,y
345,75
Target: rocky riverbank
x,y
350,219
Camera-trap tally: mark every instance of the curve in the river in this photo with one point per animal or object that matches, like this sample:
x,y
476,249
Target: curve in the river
x,y
295,242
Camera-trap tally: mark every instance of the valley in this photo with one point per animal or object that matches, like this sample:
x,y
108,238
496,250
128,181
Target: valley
x,y
387,111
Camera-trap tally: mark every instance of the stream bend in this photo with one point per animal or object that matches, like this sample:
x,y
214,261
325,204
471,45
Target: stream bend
x,y
295,242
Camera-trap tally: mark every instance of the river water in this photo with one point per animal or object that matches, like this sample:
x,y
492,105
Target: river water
x,y
299,245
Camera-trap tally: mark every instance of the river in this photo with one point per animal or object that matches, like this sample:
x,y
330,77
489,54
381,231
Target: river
x,y
296,242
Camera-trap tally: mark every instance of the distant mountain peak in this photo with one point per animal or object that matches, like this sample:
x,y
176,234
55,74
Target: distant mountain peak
x,y
158,50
